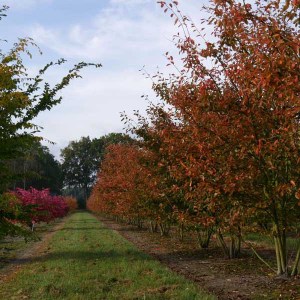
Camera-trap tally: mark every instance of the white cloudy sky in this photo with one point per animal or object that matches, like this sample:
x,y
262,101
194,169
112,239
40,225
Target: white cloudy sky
x,y
122,35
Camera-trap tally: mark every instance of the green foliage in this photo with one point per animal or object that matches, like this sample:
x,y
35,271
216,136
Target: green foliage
x,y
81,161
22,98
37,168
13,216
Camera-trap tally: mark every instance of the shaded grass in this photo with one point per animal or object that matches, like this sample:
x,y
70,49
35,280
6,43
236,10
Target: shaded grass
x,y
87,261
11,247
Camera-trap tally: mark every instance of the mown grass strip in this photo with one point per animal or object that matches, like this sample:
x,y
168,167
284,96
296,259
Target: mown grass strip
x,y
12,247
87,261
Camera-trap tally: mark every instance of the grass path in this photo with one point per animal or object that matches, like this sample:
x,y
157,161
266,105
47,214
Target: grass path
x,y
15,251
84,260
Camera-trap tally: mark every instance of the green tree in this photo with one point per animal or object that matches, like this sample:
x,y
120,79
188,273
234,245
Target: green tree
x,y
38,169
11,208
22,98
81,162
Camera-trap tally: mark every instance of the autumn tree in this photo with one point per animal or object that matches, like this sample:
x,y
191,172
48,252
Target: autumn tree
x,y
172,145
233,120
44,206
129,187
151,134
22,209
238,98
71,203
118,189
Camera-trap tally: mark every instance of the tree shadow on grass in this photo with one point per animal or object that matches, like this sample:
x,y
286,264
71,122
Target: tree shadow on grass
x,y
129,228
83,228
84,225
84,222
86,256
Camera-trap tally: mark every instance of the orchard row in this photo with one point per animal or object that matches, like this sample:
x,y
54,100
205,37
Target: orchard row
x,y
220,153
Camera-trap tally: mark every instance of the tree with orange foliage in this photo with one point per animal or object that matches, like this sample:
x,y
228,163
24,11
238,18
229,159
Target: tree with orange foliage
x,y
130,188
71,203
235,112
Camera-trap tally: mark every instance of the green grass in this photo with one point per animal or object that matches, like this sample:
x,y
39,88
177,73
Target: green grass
x,y
87,261
259,239
11,247
268,241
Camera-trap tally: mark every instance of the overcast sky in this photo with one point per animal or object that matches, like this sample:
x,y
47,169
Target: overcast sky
x,y
122,35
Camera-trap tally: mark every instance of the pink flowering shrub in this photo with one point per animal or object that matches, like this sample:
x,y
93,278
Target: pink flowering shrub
x,y
44,206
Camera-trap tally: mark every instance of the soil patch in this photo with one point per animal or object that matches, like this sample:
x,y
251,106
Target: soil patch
x,y
242,278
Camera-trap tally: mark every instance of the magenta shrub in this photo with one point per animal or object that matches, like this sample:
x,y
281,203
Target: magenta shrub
x,y
44,206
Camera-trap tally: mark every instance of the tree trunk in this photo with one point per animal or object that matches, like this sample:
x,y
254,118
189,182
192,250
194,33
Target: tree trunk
x,y
204,237
181,231
295,270
153,226
164,229
280,250
222,243
234,248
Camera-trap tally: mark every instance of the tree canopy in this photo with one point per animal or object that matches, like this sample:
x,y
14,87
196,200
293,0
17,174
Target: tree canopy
x,y
82,159
227,129
37,168
23,98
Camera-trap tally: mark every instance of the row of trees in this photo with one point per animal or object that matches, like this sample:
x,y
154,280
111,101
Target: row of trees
x,y
220,154
36,168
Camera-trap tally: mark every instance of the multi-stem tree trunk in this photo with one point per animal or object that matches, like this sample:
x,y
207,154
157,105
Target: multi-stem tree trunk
x,y
281,253
164,228
279,235
153,226
181,231
139,223
204,236
233,248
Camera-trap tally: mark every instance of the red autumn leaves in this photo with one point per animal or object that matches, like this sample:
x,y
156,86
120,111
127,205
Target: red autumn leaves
x,y
222,150
45,207
126,187
41,206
